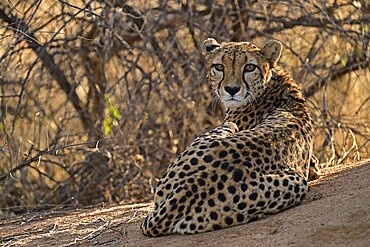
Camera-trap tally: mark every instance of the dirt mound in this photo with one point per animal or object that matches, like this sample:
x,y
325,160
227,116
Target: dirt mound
x,y
336,213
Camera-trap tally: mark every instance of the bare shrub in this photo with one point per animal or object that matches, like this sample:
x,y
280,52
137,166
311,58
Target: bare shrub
x,y
97,97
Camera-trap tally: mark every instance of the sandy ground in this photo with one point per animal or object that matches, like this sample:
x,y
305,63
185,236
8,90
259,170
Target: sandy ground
x,y
336,213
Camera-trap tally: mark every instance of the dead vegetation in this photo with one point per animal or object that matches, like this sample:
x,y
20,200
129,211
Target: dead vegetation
x,y
345,221
97,97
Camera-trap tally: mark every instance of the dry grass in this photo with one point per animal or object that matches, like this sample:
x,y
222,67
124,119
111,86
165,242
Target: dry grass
x,y
98,97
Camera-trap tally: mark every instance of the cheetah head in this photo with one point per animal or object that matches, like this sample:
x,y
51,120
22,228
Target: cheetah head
x,y
239,71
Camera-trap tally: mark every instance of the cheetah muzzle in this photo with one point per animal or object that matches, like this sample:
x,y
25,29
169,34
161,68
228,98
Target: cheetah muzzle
x,y
256,163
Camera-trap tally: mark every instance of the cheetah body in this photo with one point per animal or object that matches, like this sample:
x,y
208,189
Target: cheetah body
x,y
257,163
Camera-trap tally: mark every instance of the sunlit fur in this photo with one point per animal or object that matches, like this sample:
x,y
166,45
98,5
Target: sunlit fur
x,y
255,164
235,57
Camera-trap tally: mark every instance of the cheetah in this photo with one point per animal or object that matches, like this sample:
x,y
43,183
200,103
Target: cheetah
x,y
257,163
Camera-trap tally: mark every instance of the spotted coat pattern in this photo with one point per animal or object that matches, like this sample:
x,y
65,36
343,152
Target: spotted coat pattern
x,y
256,163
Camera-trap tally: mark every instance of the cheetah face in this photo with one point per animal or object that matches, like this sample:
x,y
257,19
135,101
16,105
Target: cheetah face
x,y
239,71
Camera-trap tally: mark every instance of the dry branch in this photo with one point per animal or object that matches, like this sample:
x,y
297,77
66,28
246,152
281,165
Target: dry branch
x,y
336,74
21,28
135,75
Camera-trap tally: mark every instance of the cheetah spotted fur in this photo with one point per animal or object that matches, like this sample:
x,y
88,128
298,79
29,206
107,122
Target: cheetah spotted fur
x,y
257,163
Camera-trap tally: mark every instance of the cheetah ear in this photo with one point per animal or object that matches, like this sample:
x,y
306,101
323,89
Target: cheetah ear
x,y
272,51
210,45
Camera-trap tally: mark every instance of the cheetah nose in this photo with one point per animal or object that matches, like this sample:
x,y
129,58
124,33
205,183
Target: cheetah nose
x,y
232,90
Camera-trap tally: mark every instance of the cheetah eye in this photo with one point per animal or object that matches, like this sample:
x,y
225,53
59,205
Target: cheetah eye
x,y
249,67
219,67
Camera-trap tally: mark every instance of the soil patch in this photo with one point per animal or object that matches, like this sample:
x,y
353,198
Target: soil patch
x,y
335,213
